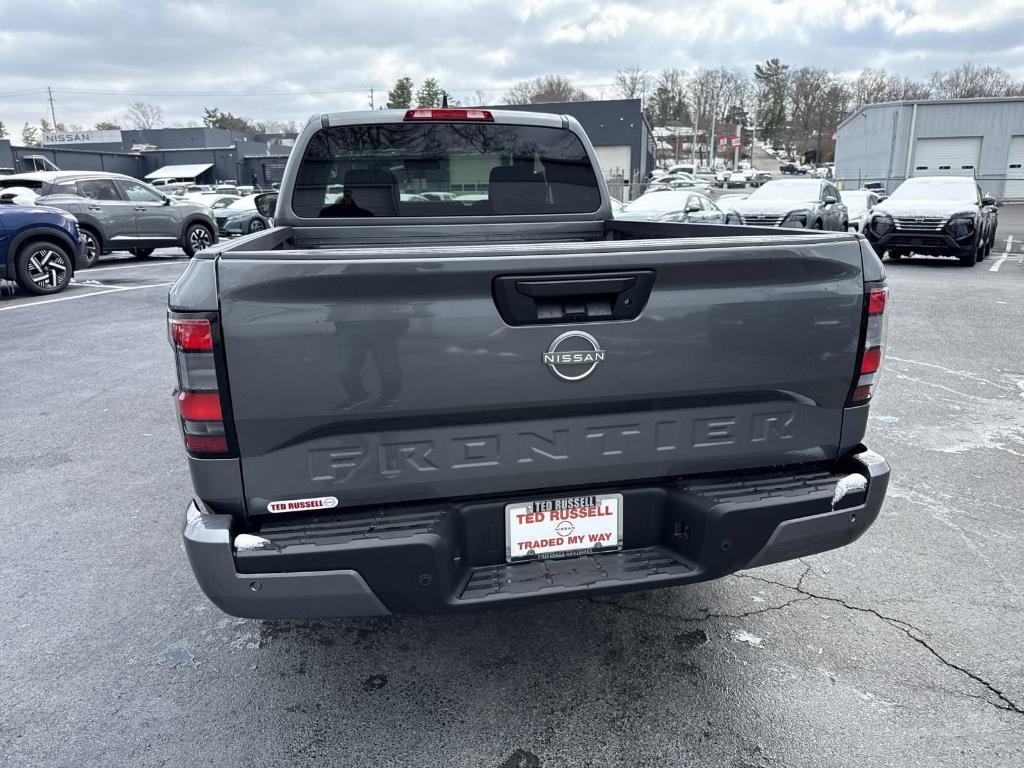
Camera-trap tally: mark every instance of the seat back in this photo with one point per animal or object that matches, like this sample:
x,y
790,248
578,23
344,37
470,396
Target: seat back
x,y
516,189
374,190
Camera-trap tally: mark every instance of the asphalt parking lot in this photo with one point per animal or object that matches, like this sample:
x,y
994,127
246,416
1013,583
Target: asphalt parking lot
x,y
901,650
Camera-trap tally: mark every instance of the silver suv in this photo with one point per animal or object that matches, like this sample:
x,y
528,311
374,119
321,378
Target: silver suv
x,y
800,203
119,213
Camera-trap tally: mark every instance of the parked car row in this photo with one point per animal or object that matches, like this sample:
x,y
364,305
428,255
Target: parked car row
x,y
116,212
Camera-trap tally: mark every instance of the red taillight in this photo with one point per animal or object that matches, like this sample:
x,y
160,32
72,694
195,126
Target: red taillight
x,y
199,394
206,443
192,335
194,406
871,360
424,113
876,301
871,353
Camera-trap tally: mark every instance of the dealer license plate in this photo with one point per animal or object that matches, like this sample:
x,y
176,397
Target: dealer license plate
x,y
563,527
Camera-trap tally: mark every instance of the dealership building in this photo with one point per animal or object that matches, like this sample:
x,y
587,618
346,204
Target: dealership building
x,y
890,142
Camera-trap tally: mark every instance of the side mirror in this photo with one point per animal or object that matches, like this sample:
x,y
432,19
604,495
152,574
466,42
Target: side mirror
x,y
988,200
167,200
693,208
830,200
266,204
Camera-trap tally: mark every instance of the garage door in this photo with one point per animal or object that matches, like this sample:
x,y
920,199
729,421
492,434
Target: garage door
x,y
614,160
1015,170
947,157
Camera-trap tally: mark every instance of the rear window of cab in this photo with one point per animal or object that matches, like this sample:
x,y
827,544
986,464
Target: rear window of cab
x,y
424,169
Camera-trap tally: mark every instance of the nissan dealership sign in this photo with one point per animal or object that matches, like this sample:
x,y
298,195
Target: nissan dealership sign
x,y
82,137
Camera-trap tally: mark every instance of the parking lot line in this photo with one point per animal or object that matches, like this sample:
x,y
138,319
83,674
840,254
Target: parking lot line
x,y
999,262
163,263
85,295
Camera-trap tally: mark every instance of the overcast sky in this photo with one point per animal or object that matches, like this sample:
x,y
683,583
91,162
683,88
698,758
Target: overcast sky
x,y
306,56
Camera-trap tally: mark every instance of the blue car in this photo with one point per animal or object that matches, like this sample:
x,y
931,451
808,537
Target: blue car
x,y
40,248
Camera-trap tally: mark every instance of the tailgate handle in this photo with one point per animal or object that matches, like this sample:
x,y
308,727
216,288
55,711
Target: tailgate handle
x,y
539,299
558,289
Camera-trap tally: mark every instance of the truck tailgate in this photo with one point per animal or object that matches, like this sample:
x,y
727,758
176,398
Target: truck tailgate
x,y
385,375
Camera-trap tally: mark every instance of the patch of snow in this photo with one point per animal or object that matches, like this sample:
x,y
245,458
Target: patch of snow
x,y
745,637
847,485
245,542
869,458
887,419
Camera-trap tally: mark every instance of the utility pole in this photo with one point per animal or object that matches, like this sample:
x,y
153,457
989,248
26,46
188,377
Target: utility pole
x,y
821,116
753,138
53,114
693,138
371,98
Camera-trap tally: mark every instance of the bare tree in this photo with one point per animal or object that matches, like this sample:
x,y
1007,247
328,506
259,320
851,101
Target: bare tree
x,y
543,90
667,103
144,116
819,100
874,86
969,81
714,93
480,98
633,83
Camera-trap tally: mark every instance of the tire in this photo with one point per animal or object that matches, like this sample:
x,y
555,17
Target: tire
x,y
142,252
93,246
43,267
845,227
197,238
970,257
257,225
816,225
894,255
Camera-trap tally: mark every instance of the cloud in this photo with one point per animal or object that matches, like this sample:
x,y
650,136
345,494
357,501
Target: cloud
x,y
278,60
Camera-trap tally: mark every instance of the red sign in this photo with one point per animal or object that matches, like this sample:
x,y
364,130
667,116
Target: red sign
x,y
735,141
722,141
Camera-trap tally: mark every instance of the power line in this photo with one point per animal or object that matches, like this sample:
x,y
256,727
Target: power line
x,y
210,94
302,92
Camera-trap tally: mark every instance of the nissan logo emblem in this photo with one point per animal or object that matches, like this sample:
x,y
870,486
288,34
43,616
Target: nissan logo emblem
x,y
573,356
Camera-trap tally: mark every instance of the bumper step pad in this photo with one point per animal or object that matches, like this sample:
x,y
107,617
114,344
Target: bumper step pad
x,y
758,490
345,529
536,575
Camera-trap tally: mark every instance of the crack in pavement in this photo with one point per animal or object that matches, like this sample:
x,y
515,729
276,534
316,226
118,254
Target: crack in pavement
x,y
1005,703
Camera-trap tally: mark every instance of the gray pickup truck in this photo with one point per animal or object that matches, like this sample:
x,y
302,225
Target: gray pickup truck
x,y
448,379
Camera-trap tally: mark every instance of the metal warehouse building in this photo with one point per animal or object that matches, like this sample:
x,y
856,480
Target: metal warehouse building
x,y
890,142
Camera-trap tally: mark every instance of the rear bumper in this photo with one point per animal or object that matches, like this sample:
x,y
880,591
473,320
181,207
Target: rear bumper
x,y
443,558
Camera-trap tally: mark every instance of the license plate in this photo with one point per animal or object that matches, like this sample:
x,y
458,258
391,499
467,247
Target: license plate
x,y
563,527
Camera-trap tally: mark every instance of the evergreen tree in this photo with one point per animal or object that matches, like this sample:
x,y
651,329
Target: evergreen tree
x,y
30,136
400,97
429,94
